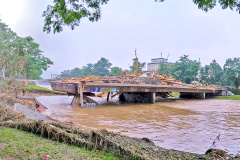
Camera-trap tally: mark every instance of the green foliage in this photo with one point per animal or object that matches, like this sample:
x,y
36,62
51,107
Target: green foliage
x,y
20,57
235,97
210,4
35,87
185,69
101,68
15,144
164,69
235,91
70,12
176,95
232,71
116,71
134,65
211,74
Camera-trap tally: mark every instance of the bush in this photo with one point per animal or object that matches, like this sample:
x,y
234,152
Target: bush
x,y
235,91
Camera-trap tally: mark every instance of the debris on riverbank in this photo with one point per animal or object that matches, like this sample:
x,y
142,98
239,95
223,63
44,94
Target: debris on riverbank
x,y
126,147
123,146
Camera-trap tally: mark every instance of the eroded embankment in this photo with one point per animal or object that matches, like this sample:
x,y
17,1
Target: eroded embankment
x,y
123,146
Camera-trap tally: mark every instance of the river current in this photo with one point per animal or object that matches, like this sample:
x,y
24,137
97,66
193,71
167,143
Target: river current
x,y
185,125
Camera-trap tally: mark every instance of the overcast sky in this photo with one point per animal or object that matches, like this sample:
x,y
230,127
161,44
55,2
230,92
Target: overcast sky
x,y
172,27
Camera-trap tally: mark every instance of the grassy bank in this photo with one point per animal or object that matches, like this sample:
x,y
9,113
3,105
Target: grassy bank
x,y
35,87
15,144
38,88
235,97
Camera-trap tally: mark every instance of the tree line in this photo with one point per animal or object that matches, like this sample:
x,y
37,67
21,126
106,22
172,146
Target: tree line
x,y
70,12
184,69
101,68
20,57
188,70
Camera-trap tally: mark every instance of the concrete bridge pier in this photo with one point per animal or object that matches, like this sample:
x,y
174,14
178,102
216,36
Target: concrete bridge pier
x,y
152,98
138,97
78,98
77,101
193,95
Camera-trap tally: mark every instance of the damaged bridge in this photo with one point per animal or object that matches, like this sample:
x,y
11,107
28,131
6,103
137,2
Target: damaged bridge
x,y
130,88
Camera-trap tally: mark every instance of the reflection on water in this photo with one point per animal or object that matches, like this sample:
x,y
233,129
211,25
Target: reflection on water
x,y
190,125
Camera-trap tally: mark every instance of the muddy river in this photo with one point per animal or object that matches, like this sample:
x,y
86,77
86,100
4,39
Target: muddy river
x,y
186,125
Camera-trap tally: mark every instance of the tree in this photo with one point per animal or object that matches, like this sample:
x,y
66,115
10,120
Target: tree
x,y
65,73
232,70
102,67
116,71
88,70
212,74
76,72
139,67
204,75
10,47
216,73
185,69
164,69
70,12
20,56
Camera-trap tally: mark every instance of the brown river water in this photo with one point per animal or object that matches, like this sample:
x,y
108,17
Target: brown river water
x,y
185,125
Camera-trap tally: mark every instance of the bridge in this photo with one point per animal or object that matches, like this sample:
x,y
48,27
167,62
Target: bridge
x,y
131,88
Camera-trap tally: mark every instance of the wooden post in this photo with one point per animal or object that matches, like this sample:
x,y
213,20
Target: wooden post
x,y
108,96
80,92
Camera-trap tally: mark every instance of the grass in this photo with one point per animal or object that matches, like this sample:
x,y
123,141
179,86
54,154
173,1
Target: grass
x,y
15,144
176,95
235,97
35,87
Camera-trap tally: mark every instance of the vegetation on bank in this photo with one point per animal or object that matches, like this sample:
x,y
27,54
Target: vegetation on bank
x,y
35,87
20,57
176,95
15,144
235,91
38,88
235,97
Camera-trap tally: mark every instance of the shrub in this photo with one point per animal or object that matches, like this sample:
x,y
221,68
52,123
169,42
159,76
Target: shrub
x,y
235,91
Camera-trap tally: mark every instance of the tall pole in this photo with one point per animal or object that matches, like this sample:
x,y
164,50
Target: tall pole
x,y
136,69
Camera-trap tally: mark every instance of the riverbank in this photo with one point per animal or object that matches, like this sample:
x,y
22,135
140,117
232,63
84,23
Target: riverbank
x,y
123,146
235,97
96,140
15,144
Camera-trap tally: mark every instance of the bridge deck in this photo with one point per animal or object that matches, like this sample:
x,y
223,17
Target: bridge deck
x,y
72,88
